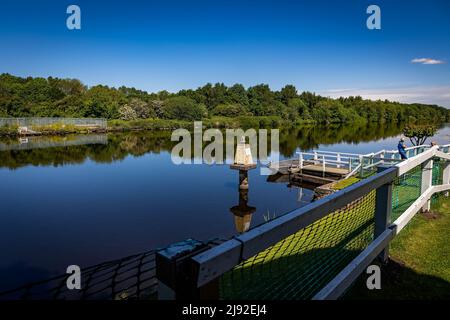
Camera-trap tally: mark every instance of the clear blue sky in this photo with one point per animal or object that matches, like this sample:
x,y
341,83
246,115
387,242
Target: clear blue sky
x,y
321,46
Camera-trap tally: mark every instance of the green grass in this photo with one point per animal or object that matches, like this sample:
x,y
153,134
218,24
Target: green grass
x,y
420,260
244,122
345,183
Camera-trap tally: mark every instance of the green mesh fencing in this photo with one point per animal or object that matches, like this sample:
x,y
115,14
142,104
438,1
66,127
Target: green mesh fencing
x,y
405,190
438,168
303,263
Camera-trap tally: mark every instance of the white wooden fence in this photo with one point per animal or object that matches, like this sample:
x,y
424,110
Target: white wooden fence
x,y
211,263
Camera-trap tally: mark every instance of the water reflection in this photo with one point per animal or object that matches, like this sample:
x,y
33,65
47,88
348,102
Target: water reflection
x,y
89,202
58,151
242,212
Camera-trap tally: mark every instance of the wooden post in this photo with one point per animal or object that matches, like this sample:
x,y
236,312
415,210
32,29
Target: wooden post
x,y
323,166
361,162
383,209
427,178
300,161
177,273
338,158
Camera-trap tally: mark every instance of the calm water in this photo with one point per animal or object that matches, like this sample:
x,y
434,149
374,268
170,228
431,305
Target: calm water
x,y
84,200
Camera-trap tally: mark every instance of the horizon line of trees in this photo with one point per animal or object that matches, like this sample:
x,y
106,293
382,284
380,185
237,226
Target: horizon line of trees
x,y
55,97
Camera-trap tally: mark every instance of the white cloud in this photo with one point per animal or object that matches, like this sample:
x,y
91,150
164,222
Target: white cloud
x,y
439,95
427,61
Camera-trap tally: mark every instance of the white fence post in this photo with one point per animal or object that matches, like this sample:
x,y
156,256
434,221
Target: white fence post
x,y
427,179
338,158
361,162
300,161
383,208
323,166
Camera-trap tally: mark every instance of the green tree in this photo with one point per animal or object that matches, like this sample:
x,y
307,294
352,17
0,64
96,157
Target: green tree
x,y
230,110
287,93
183,108
419,134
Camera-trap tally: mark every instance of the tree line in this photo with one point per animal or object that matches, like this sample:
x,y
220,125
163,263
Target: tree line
x,y
54,97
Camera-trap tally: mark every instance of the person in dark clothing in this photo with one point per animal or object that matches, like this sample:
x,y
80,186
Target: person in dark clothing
x,y
401,149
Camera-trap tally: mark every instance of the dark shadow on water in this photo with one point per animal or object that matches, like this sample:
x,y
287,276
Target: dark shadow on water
x,y
20,273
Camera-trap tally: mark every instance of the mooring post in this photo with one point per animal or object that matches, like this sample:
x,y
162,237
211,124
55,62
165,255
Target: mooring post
x,y
383,209
361,162
427,179
177,273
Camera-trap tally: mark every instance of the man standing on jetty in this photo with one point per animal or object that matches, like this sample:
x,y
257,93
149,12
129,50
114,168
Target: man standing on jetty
x,y
401,148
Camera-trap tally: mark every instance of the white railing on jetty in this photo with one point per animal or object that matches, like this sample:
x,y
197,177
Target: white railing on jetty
x,y
356,163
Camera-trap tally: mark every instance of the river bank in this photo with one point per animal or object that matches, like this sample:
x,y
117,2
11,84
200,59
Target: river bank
x,y
244,122
116,125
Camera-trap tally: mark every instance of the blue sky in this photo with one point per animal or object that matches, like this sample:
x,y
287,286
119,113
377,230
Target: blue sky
x,y
321,46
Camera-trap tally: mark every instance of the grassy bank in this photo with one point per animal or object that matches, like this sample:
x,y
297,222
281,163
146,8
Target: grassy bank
x,y
243,122
419,267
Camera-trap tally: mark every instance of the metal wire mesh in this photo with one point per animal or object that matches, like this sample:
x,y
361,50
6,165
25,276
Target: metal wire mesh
x,y
42,121
133,277
438,167
300,265
405,190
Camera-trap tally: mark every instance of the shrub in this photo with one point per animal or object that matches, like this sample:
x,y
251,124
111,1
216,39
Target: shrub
x,y
230,110
183,108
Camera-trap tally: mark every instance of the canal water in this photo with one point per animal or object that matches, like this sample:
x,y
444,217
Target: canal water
x,y
87,199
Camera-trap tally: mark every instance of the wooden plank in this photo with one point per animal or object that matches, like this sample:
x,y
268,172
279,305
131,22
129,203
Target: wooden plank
x,y
442,155
336,287
218,260
224,257
331,170
312,179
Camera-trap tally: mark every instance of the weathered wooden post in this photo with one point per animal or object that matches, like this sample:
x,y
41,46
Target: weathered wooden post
x,y
177,273
383,209
361,162
427,179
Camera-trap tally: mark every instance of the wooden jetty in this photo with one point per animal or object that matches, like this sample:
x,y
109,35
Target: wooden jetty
x,y
307,171
323,169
